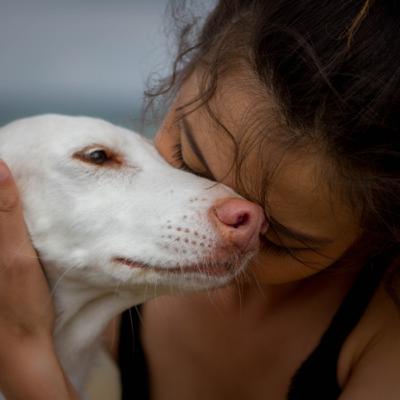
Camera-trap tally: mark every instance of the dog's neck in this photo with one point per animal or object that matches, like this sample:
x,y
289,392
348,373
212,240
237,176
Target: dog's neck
x,y
82,313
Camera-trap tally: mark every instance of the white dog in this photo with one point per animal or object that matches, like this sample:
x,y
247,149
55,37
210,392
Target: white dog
x,y
114,224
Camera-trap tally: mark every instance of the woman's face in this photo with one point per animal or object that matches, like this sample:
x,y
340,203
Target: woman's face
x,y
310,226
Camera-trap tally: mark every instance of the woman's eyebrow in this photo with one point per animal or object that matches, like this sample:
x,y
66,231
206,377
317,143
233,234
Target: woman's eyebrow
x,y
188,132
297,235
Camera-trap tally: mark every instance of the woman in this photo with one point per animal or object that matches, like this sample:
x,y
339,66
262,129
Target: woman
x,y
294,105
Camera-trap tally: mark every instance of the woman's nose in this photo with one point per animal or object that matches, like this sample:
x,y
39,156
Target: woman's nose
x,y
239,222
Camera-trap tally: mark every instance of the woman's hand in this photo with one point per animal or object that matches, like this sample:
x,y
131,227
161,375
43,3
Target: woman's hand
x,y
26,311
29,367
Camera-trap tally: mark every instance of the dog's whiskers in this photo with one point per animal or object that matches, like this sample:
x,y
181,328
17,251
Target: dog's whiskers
x,y
117,287
146,290
58,281
114,332
131,324
258,285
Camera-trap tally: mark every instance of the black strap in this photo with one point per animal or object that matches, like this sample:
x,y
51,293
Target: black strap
x,y
131,358
317,376
316,379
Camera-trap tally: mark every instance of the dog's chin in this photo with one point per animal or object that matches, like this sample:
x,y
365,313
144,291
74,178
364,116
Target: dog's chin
x,y
194,277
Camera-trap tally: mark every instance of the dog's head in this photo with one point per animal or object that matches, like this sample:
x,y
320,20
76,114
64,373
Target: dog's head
x,y
102,206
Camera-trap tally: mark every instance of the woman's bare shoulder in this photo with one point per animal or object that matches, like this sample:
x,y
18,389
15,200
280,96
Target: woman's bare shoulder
x,y
370,358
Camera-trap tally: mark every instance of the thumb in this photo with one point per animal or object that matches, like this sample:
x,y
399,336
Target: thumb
x,y
25,300
13,232
9,199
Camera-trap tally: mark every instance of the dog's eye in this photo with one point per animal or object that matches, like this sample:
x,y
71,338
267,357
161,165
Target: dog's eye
x,y
97,156
100,156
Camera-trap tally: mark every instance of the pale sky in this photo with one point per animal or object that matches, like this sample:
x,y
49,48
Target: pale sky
x,y
79,56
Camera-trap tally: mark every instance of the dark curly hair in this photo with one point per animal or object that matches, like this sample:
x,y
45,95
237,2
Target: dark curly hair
x,y
333,69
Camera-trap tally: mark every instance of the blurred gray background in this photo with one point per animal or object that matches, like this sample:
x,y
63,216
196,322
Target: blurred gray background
x,y
90,57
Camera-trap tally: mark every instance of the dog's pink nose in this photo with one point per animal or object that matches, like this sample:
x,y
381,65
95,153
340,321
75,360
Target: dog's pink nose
x,y
240,222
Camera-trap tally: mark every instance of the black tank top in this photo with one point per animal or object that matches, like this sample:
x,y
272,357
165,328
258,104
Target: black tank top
x,y
316,378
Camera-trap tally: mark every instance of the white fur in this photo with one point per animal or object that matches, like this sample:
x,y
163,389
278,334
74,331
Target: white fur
x,y
80,216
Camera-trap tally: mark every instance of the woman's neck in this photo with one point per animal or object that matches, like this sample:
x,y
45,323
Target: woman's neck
x,y
259,299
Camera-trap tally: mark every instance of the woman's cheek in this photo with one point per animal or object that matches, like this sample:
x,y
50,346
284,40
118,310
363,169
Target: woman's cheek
x,y
270,268
166,137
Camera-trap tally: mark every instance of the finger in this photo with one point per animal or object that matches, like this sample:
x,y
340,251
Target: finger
x,y
9,194
14,238
25,302
21,273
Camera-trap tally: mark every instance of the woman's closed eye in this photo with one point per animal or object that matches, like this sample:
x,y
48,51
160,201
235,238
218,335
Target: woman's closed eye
x,y
177,157
281,249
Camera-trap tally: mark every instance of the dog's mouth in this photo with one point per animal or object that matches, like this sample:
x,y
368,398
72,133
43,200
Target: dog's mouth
x,y
209,269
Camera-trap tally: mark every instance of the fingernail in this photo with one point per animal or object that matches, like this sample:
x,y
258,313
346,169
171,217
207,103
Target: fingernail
x,y
4,171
